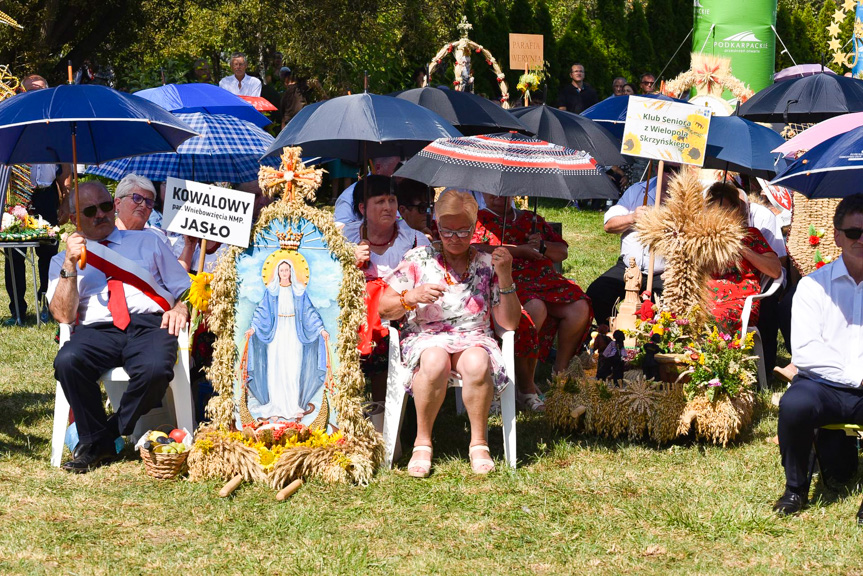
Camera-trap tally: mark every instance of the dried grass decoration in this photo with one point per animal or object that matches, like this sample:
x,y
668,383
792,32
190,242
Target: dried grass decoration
x,y
271,450
709,75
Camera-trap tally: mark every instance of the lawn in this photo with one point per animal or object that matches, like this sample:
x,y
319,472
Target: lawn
x,y
575,504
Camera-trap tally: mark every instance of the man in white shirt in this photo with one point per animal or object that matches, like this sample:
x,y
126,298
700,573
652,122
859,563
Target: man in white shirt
x,y
621,219
126,304
827,348
239,82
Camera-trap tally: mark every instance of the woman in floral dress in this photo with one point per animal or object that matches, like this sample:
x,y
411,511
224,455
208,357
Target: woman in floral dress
x,y
449,293
730,287
553,304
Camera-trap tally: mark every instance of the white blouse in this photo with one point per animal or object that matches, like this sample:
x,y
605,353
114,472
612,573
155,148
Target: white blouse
x,y
381,265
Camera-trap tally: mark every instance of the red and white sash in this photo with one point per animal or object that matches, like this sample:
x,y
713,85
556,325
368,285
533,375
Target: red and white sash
x,y
114,265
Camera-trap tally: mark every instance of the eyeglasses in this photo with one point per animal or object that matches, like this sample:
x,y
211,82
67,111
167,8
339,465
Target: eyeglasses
x,y
852,233
104,207
137,199
419,207
646,83
447,233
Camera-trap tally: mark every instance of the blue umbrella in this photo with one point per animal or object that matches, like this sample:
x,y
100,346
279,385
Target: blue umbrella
x,y
734,143
187,98
829,170
227,150
611,112
469,113
38,127
361,126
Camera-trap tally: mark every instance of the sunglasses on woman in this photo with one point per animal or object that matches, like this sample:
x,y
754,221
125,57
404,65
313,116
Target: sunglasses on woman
x,y
104,207
852,233
447,233
137,199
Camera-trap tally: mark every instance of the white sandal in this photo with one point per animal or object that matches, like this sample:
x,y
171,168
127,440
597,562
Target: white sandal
x,y
531,402
475,462
424,464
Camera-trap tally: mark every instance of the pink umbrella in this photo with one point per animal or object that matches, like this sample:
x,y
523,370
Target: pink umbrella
x,y
800,71
817,134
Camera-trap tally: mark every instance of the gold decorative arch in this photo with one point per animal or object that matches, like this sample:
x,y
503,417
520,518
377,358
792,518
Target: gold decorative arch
x,y
462,50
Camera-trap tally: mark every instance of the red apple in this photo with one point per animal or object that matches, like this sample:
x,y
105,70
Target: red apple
x,y
177,435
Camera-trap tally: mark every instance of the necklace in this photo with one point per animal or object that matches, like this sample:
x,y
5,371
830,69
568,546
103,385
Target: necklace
x,y
365,236
446,275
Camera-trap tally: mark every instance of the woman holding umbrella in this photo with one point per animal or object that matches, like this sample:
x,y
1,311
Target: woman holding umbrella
x,y
553,304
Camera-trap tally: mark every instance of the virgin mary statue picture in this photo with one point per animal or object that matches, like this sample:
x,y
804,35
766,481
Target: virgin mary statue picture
x,y
287,362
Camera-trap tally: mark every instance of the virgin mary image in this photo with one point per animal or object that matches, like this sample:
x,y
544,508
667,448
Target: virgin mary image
x,y
287,361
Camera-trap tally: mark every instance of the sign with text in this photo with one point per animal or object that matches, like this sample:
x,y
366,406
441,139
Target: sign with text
x,y
208,212
666,130
525,50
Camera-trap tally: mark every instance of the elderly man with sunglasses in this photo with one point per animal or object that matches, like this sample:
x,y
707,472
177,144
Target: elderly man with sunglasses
x,y
827,348
127,310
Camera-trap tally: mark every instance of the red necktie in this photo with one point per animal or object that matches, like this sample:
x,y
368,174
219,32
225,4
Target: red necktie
x,y
117,302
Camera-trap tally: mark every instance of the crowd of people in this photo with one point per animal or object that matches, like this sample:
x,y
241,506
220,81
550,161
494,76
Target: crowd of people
x,y
446,272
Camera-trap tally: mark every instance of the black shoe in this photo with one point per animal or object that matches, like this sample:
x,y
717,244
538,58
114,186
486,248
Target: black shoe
x,y
90,456
790,503
860,515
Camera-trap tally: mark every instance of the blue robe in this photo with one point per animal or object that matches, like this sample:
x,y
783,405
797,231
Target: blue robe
x,y
309,324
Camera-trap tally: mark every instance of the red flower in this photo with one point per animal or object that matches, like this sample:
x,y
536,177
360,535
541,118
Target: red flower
x,y
819,264
499,80
814,240
478,50
488,62
449,48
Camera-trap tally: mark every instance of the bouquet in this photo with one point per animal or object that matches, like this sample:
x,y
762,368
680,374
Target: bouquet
x,y
530,81
17,224
721,364
676,334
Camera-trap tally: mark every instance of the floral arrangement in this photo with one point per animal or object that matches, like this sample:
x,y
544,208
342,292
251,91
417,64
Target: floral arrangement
x,y
815,236
530,81
721,364
18,225
677,334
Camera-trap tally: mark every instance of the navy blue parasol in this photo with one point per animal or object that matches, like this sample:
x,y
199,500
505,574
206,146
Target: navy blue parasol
x,y
829,170
469,113
734,143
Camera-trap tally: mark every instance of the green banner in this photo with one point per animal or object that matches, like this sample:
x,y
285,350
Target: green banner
x,y
741,30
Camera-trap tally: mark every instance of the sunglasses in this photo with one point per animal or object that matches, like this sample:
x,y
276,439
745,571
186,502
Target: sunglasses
x,y
419,207
137,199
447,233
852,233
646,83
104,207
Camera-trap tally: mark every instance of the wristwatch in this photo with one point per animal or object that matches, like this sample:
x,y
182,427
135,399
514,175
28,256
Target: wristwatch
x,y
542,247
64,274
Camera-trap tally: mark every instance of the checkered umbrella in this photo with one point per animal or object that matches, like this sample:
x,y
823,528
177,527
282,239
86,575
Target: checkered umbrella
x,y
509,164
227,150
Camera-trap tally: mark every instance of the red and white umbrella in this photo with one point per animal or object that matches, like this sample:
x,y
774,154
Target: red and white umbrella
x,y
260,104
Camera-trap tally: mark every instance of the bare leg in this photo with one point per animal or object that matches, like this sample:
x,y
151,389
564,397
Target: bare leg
x,y
525,368
429,389
474,366
574,319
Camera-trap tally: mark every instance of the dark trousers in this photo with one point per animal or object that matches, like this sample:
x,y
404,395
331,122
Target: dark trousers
x,y
147,353
610,287
44,202
806,406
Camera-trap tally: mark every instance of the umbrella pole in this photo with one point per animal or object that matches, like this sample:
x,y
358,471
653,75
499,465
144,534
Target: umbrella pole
x,y
535,204
429,209
659,174
503,234
82,261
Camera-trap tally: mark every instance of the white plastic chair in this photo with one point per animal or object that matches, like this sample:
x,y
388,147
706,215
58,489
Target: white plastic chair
x,y
758,349
396,400
115,382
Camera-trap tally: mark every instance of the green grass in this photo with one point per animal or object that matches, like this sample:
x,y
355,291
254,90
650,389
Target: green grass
x,y
575,505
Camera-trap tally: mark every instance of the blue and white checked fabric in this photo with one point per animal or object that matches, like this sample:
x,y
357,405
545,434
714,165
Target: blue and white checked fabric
x,y
227,150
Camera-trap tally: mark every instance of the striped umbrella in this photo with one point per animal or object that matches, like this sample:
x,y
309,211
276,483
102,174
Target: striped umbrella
x,y
227,150
509,164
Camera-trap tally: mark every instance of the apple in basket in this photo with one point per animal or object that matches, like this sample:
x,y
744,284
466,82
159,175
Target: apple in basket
x,y
177,435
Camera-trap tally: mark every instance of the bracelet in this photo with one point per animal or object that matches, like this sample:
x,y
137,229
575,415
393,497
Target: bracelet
x,y
406,306
508,290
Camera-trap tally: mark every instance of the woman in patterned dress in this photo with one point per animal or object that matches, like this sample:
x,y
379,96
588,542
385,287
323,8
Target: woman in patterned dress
x,y
730,287
449,293
553,304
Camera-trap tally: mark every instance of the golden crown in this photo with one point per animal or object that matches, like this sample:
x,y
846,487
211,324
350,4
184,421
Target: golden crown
x,y
289,241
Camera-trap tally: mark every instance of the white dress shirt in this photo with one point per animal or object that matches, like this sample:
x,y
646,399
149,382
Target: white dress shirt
x,y
148,251
768,224
630,245
344,213
827,326
42,175
251,86
381,265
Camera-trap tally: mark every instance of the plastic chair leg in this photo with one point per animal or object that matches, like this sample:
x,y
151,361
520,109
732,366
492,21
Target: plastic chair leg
x,y
394,413
507,413
61,422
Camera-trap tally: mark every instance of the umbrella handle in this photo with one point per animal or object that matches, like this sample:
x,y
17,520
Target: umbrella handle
x,y
82,261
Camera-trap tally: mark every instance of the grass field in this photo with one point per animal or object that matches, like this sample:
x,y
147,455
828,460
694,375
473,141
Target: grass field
x,y
574,505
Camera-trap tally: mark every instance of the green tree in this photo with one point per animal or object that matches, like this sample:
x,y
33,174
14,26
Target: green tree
x,y
578,45
638,42
546,28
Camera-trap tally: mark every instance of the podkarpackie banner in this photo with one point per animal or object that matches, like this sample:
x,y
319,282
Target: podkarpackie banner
x,y
740,30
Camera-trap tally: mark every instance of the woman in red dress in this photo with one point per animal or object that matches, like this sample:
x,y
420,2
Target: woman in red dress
x,y
553,304
729,288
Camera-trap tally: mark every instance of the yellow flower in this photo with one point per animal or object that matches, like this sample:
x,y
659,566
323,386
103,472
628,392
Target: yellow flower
x,y
200,290
658,329
701,359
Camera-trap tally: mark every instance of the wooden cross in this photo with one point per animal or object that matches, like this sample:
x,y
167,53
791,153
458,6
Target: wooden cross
x,y
695,240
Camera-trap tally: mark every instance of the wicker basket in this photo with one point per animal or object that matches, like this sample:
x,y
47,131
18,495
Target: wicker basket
x,y
164,466
818,213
